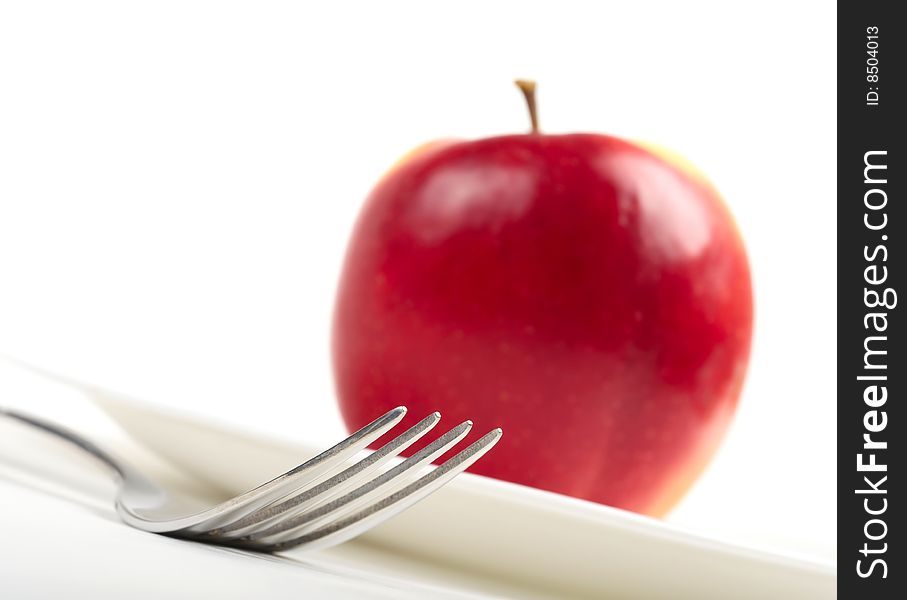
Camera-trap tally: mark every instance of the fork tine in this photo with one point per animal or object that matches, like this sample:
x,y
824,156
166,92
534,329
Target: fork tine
x,y
347,527
278,487
395,478
331,487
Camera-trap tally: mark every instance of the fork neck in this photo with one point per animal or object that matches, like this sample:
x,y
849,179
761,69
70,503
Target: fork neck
x,y
68,436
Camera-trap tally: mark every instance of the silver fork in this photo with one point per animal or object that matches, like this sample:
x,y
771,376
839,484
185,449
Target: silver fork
x,y
322,502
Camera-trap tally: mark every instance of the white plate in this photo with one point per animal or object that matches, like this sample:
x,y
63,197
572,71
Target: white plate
x,y
484,535
548,543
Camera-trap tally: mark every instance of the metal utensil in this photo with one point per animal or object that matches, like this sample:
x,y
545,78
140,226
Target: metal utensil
x,y
322,502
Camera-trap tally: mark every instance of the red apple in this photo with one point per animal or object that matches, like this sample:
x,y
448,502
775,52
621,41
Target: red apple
x,y
583,292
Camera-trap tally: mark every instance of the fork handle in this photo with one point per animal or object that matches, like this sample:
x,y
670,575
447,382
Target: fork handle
x,y
67,435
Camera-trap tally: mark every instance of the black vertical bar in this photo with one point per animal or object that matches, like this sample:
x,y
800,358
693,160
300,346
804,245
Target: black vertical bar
x,y
872,371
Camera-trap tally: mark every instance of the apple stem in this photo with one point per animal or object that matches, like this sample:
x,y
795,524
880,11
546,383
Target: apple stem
x,y
527,86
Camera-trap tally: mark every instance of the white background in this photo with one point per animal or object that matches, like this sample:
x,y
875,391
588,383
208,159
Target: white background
x,y
178,181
